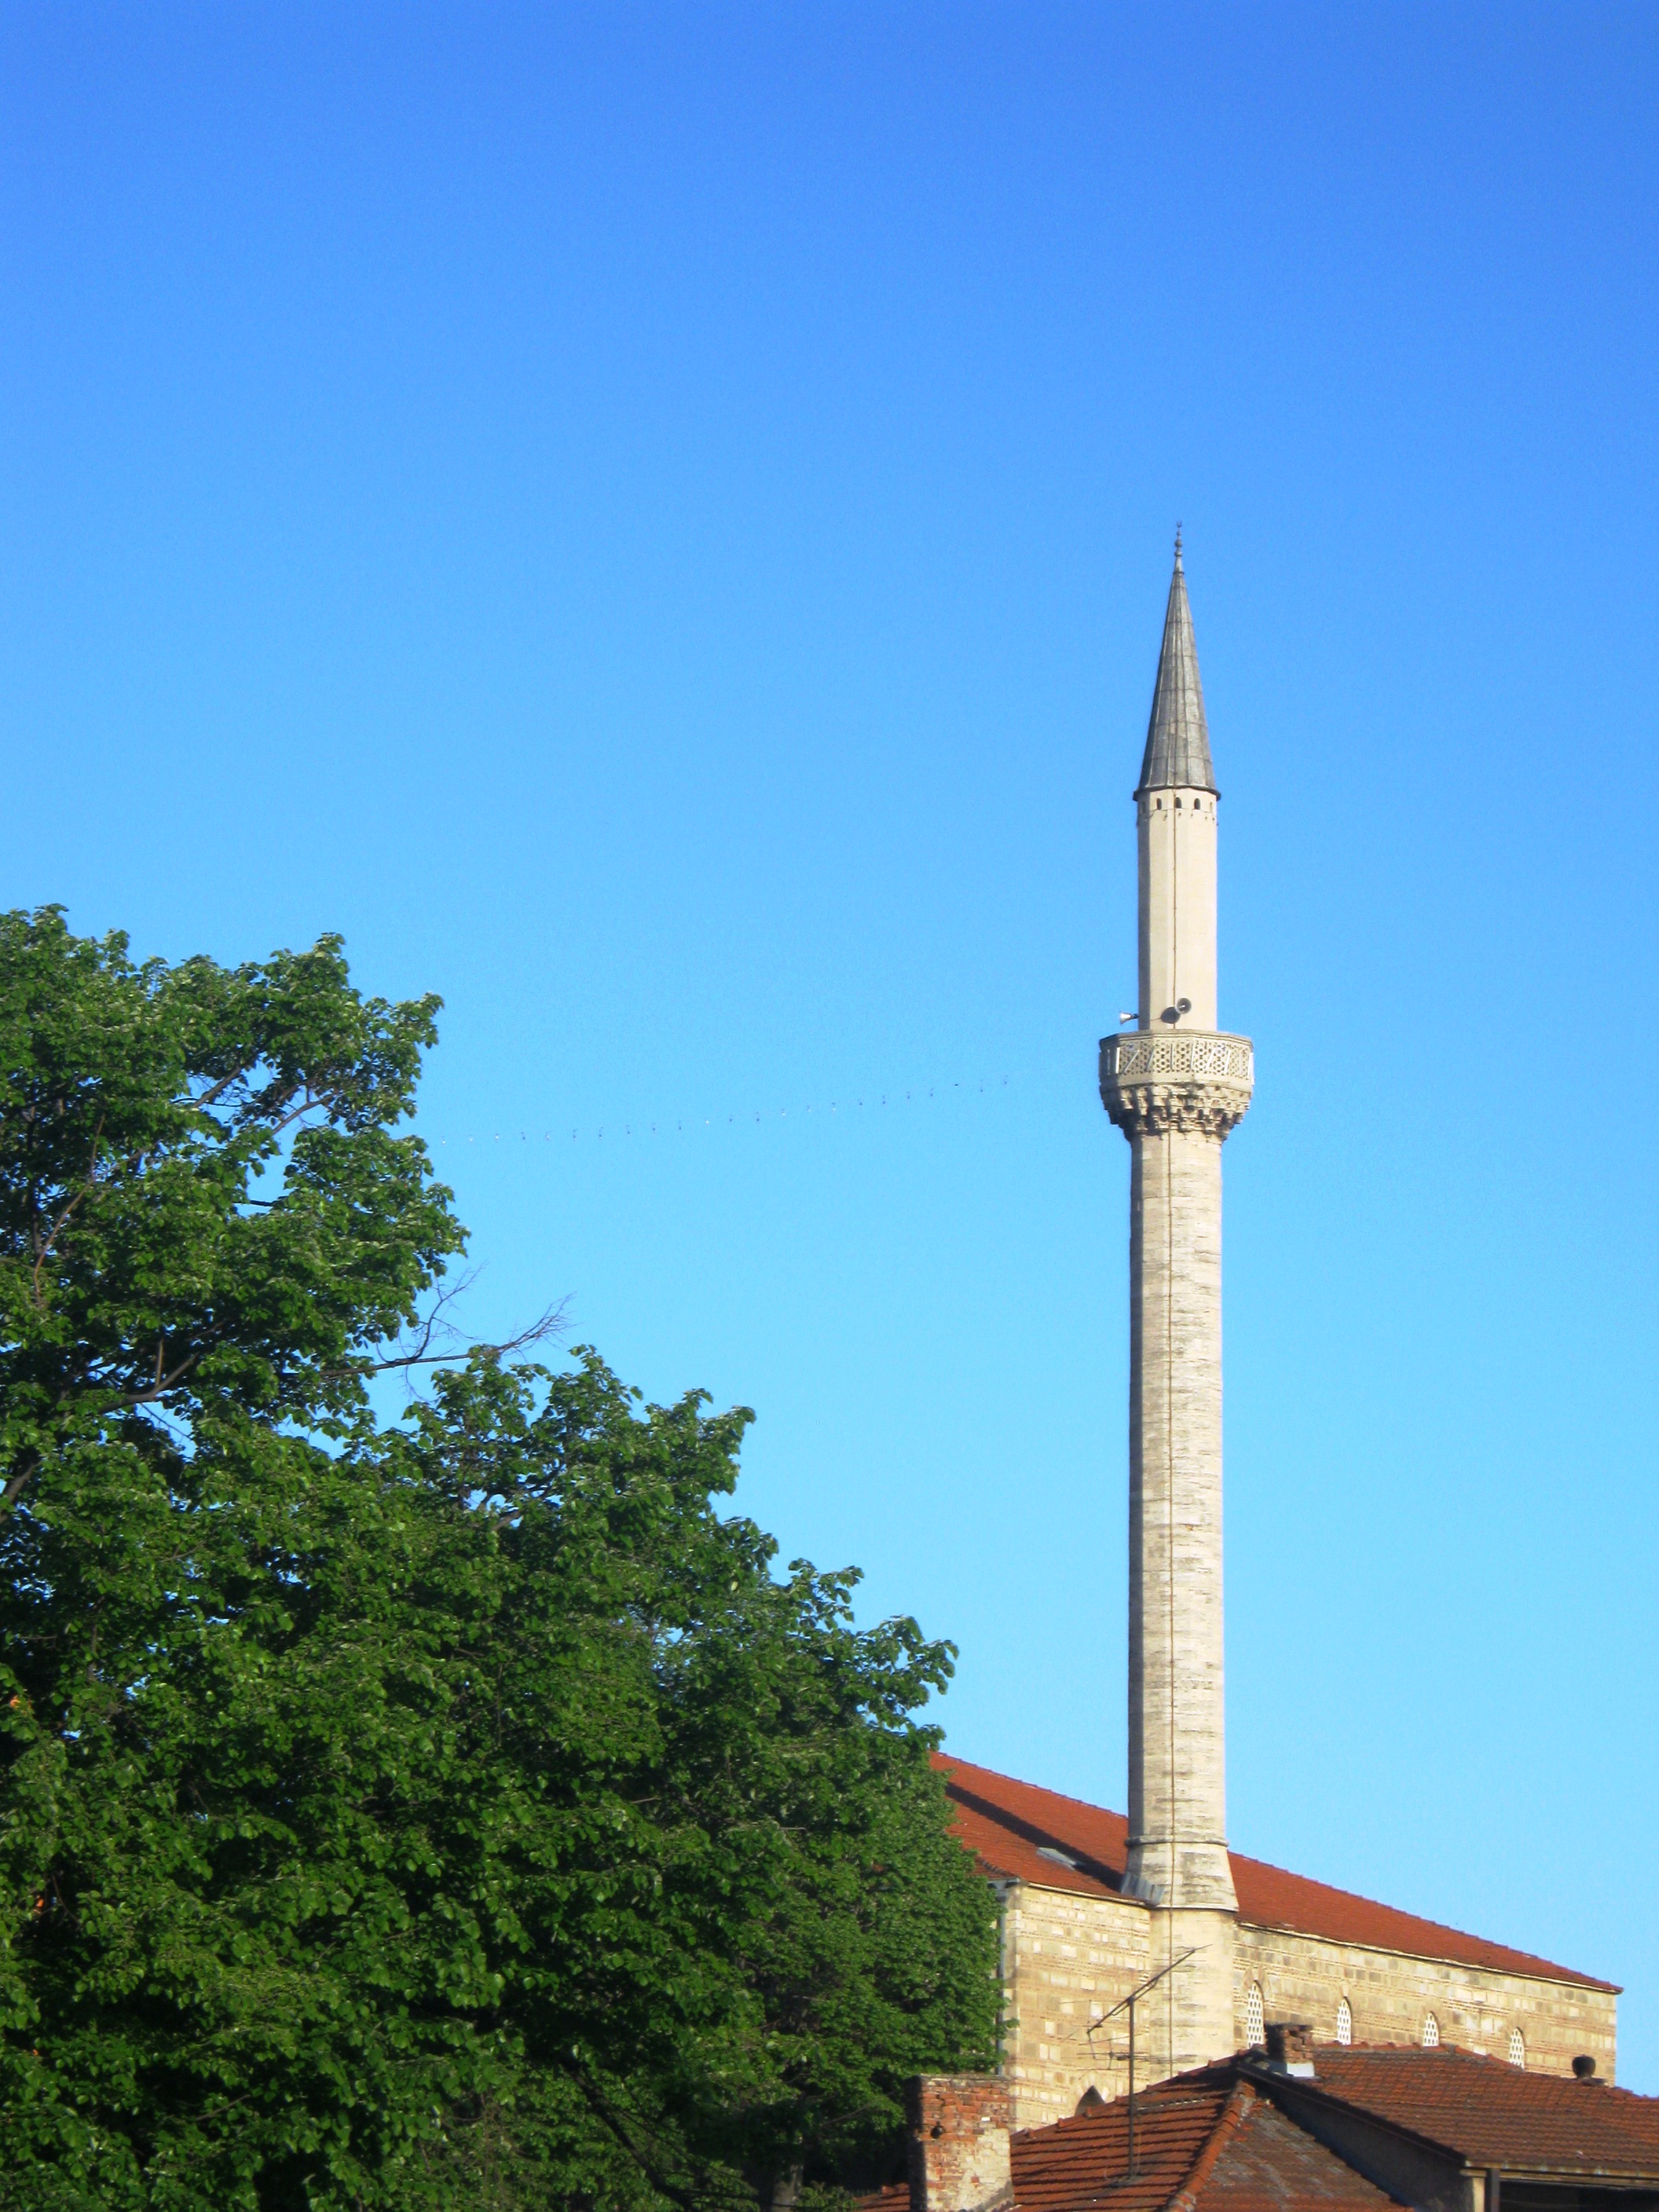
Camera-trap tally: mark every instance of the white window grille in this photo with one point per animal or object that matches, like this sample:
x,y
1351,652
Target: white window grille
x,y
1255,2028
1430,2032
1517,2048
1344,2022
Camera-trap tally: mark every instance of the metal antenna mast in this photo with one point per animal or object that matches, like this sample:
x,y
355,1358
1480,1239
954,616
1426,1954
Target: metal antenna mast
x,y
1128,2005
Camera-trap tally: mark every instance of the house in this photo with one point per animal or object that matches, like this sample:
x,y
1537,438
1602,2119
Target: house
x,y
1294,2126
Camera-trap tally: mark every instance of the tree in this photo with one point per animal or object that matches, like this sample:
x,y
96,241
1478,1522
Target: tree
x,y
461,1812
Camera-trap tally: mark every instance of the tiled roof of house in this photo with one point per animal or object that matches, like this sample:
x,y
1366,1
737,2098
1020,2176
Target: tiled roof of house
x,y
1204,2142
1493,2114
1016,1829
1233,2137
1273,2166
1073,2161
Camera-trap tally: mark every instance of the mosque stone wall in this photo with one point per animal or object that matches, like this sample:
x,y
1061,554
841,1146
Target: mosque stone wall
x,y
1068,1958
1392,1996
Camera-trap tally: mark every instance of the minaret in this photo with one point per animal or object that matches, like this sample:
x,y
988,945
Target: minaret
x,y
1176,1087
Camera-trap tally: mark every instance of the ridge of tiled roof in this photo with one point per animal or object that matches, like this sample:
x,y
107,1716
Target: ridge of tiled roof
x,y
1489,2113
1011,1826
1238,2108
1271,2165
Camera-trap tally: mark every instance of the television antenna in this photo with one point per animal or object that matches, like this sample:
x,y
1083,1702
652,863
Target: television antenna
x,y
1127,2005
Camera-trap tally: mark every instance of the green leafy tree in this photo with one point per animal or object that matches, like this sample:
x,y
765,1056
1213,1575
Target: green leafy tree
x,y
466,1813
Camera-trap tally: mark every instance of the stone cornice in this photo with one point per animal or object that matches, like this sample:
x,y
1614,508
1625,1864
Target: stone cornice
x,y
1197,1081
1558,1977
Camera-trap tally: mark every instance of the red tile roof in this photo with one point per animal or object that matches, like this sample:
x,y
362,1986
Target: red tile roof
x,y
1009,1826
1493,2114
1272,2165
1075,2161
1232,2137
1205,2142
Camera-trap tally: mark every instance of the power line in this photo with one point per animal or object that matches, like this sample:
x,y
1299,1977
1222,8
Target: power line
x,y
685,1124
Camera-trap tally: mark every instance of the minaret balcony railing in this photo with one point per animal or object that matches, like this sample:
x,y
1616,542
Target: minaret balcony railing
x,y
1155,1080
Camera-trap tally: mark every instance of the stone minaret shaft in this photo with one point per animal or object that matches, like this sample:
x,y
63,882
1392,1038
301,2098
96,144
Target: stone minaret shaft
x,y
1176,1086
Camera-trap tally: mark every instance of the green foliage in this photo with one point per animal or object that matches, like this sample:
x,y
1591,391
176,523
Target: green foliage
x,y
464,1813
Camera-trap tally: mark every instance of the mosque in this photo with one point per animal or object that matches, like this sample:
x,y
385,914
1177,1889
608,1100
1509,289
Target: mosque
x,y
1096,1906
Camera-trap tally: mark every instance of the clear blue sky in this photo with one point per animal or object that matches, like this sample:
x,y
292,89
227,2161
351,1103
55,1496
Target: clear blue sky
x,y
655,522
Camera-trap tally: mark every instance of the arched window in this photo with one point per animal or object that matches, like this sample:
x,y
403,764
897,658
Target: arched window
x,y
1517,2048
1344,2022
1430,2032
1255,2028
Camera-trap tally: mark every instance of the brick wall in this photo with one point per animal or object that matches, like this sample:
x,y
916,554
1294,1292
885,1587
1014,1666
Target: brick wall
x,y
958,2141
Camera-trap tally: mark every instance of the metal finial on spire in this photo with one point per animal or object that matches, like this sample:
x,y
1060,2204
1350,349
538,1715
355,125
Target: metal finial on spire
x,y
1177,544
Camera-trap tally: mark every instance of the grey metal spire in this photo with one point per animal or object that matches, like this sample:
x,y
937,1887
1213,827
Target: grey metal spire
x,y
1177,736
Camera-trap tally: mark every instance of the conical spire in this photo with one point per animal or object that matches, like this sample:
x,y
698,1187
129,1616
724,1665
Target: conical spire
x,y
1177,736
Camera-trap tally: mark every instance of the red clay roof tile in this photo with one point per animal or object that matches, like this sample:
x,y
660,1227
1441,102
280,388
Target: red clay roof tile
x,y
1010,1826
1490,2113
1271,2166
1085,2160
1216,2140
1205,2142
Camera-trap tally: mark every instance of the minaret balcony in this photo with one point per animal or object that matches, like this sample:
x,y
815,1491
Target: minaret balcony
x,y
1198,1081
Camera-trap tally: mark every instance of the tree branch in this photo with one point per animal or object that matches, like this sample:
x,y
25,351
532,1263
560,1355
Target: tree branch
x,y
44,1251
162,1384
552,1324
14,1489
211,1096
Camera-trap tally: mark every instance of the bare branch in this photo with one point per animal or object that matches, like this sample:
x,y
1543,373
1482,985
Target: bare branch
x,y
437,1342
431,1323
552,1324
